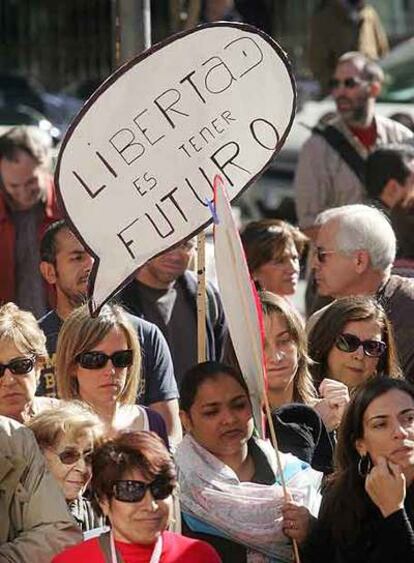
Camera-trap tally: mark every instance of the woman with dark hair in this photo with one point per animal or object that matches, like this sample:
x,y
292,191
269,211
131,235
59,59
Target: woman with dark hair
x,y
273,249
349,342
229,491
367,512
133,480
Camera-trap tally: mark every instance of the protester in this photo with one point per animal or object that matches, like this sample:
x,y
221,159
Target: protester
x,y
66,266
340,26
98,361
390,185
35,523
367,509
67,436
354,255
22,355
273,249
164,292
223,467
133,482
27,206
331,166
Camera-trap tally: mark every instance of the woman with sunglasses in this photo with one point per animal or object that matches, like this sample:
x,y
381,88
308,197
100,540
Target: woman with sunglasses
x,y
273,249
367,511
133,481
67,436
22,356
350,342
98,361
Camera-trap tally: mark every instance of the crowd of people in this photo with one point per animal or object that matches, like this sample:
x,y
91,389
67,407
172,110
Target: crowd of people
x,y
117,445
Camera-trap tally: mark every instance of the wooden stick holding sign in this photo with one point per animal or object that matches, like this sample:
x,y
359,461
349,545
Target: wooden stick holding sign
x,y
201,297
243,316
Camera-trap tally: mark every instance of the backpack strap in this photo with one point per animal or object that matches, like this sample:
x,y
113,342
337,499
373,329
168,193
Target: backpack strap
x,y
105,545
344,148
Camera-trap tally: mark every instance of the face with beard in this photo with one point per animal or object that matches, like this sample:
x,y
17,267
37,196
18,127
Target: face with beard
x,y
353,94
70,272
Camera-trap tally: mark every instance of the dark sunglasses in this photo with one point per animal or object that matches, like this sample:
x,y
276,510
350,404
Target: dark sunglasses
x,y
98,360
350,343
134,491
346,83
321,254
71,456
18,366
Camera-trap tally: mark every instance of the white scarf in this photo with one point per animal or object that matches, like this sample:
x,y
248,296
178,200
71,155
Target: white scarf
x,y
248,513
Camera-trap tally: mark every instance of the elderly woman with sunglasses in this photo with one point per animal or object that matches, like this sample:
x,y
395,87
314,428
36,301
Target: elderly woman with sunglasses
x,y
350,341
98,361
22,356
133,480
67,436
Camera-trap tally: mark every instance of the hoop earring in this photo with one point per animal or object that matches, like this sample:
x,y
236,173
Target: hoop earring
x,y
364,465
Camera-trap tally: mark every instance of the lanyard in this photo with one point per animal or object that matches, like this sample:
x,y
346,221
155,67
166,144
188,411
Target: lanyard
x,y
155,557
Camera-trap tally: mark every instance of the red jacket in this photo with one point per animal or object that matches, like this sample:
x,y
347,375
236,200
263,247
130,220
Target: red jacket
x,y
8,237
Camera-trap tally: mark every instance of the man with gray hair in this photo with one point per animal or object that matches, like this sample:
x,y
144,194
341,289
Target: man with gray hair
x,y
355,251
331,167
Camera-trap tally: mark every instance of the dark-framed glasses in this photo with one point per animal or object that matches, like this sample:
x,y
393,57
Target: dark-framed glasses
x,y
321,254
98,360
350,343
70,456
350,83
19,366
134,491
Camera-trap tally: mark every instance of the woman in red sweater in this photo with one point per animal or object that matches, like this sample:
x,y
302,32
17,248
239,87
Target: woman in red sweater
x,y
133,478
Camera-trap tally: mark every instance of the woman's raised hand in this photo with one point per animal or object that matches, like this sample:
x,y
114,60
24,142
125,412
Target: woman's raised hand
x,y
385,484
296,520
335,397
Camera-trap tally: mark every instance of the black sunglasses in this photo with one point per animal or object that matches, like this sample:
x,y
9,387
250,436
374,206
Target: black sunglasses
x,y
321,254
350,343
134,491
71,456
18,366
346,83
98,360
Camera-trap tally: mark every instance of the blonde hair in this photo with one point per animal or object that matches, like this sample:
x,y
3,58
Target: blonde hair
x,y
21,329
71,420
303,388
80,333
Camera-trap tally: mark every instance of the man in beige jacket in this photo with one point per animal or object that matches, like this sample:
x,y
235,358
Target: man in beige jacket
x,y
34,520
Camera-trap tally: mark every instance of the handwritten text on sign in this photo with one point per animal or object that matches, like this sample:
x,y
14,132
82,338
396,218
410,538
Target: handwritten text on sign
x,y
135,170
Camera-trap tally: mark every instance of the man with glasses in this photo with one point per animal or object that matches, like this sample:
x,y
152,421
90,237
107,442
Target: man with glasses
x,y
331,166
355,251
164,292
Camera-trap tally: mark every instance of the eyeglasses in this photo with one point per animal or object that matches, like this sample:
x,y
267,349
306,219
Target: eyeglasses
x,y
18,366
350,343
98,360
321,254
70,456
349,83
134,491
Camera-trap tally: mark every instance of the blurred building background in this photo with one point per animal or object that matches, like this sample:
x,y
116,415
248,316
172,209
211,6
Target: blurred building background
x,y
69,44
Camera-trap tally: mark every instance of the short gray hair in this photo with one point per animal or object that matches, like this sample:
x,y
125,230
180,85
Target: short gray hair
x,y
370,70
362,227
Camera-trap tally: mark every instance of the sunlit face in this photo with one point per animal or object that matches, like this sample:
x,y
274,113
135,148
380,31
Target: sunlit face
x,y
137,522
353,368
281,354
161,271
72,478
16,391
336,275
220,418
23,179
351,102
388,425
100,387
72,268
280,276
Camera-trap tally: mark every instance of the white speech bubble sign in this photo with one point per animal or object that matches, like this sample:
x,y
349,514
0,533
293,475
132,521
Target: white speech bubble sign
x,y
136,167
